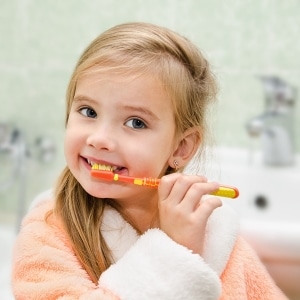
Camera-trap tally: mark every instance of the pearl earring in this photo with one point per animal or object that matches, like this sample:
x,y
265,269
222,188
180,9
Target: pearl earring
x,y
175,162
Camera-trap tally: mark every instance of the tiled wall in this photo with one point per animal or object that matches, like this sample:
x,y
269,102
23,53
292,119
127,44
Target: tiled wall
x,y
41,41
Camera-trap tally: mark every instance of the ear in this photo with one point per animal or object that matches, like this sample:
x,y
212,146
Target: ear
x,y
187,147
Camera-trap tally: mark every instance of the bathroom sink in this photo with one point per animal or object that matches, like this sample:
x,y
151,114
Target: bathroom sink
x,y
267,193
269,209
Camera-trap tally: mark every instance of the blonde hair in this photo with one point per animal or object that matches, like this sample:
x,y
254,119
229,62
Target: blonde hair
x,y
136,48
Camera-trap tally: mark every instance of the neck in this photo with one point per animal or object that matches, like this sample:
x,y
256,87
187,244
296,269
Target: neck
x,y
142,220
141,214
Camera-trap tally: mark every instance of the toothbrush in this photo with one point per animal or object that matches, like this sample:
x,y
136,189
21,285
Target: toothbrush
x,y
223,191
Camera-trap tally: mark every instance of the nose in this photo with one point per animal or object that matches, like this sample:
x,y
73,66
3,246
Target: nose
x,y
102,137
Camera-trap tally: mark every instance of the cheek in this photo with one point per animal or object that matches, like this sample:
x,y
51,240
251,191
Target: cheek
x,y
153,158
70,145
67,148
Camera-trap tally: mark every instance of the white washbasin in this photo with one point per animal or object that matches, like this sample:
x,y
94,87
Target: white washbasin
x,y
269,208
267,193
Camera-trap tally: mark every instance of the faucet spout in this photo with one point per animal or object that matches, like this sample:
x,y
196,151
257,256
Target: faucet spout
x,y
275,126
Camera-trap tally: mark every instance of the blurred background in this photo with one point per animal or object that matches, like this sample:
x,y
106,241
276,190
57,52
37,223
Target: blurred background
x,y
254,49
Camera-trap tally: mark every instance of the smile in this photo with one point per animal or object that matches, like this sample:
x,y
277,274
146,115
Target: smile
x,y
103,167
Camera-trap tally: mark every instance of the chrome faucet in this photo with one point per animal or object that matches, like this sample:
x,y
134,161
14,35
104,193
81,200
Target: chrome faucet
x,y
15,153
275,125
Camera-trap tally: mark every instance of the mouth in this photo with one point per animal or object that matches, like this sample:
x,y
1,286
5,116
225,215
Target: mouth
x,y
104,167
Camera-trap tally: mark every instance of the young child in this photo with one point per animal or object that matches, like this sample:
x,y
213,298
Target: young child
x,y
136,106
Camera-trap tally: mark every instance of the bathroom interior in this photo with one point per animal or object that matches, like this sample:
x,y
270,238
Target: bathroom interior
x,y
254,50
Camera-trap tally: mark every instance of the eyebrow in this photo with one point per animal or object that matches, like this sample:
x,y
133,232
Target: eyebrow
x,y
131,108
80,98
142,110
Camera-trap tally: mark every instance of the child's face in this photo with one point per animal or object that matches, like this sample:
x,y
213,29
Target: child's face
x,y
126,122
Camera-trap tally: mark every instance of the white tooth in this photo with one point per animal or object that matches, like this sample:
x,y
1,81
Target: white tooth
x,y
92,163
102,167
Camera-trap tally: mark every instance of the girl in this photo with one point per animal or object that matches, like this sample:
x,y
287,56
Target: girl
x,y
135,106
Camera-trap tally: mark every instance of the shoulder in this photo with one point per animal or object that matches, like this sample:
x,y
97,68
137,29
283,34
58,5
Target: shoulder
x,y
41,226
39,207
44,261
38,212
42,200
42,242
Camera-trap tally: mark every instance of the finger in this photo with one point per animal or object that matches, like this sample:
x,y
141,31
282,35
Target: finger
x,y
206,208
195,193
182,186
166,184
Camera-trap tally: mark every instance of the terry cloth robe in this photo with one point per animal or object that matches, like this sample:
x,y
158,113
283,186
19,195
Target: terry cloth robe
x,y
147,267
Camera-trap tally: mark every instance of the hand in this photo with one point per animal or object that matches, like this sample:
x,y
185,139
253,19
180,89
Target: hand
x,y
182,216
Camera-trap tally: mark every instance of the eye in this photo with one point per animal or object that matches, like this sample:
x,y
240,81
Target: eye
x,y
88,112
135,123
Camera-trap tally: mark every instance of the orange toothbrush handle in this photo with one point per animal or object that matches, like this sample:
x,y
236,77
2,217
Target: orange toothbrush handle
x,y
110,176
223,191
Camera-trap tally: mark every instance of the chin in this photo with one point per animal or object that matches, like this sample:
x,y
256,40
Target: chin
x,y
99,190
94,191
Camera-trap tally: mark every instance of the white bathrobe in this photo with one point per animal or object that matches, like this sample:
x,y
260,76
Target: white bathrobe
x,y
147,267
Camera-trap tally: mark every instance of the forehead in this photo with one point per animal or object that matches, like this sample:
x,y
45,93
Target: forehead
x,y
122,72
127,87
139,79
